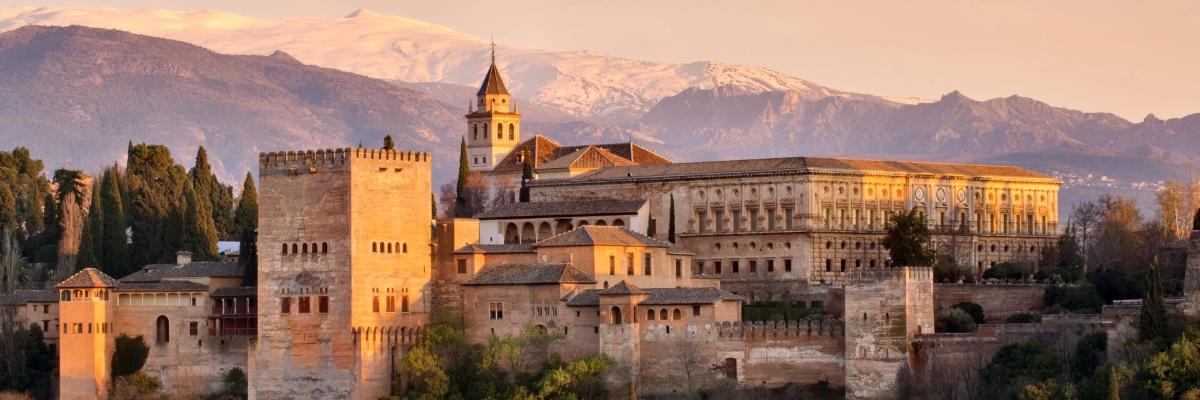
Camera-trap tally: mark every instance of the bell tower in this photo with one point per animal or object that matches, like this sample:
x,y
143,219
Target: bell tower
x,y
493,122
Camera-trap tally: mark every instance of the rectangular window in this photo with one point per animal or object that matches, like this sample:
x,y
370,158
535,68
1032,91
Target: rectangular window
x,y
193,328
678,268
703,222
462,266
651,228
629,264
770,265
323,304
646,265
391,304
788,220
285,305
787,265
696,310
717,267
737,221
771,219
699,268
496,310
375,304
404,303
734,267
303,304
46,307
612,265
753,266
720,215
754,220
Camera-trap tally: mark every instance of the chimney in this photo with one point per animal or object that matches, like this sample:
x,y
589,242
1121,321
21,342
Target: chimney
x,y
183,257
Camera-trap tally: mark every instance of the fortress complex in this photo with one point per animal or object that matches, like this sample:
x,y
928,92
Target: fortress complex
x,y
350,271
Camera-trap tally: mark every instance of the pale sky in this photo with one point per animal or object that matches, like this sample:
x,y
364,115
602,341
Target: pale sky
x,y
1129,58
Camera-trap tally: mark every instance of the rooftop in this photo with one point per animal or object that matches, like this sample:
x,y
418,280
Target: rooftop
x,y
794,165
476,248
24,296
492,83
527,274
549,209
238,291
661,296
591,235
544,151
196,269
88,278
161,286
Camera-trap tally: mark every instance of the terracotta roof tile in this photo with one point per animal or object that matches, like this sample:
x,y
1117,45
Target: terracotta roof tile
x,y
161,286
661,296
526,274
589,235
197,269
622,288
547,209
88,278
547,150
476,248
238,291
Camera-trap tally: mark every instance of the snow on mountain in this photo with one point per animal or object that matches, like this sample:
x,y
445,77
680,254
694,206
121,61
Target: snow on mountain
x,y
581,83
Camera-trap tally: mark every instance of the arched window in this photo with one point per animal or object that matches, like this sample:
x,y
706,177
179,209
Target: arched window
x,y
601,222
650,314
389,247
484,130
314,247
676,315
285,248
511,234
324,247
619,222
304,248
616,315
374,247
662,314
499,131
527,233
474,132
162,331
66,295
404,246
295,248
512,129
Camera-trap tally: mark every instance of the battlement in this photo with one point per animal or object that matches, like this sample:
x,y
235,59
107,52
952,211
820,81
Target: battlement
x,y
313,159
780,329
890,274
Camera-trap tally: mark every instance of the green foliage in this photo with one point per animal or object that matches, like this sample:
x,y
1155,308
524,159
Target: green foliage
x,y
907,239
1081,298
8,208
1169,374
972,309
26,363
245,225
388,143
1009,271
155,186
129,355
114,244
1089,354
526,178
1152,321
90,245
1022,318
1017,365
954,320
24,189
461,208
233,385
137,385
198,233
1047,390
778,311
671,221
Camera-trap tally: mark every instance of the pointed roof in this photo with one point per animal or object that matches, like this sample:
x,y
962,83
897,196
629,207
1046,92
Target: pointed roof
x,y
492,84
544,151
622,288
589,157
88,278
591,235
530,274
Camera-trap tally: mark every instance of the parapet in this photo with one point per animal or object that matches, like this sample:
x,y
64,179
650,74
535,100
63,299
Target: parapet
x,y
314,159
890,274
780,329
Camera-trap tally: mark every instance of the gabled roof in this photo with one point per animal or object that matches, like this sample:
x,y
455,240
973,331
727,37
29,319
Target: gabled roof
x,y
88,278
573,208
589,235
197,269
492,84
588,157
476,248
529,274
24,296
544,150
622,288
661,296
793,165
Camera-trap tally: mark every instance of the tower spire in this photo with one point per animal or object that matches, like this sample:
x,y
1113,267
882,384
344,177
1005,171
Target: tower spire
x,y
493,50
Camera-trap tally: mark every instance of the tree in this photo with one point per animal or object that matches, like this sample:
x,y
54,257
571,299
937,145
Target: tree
x,y
526,177
1089,354
1174,204
1085,217
10,259
388,144
114,247
953,320
907,239
1017,365
199,234
8,208
671,221
218,196
461,209
71,228
972,309
245,222
129,355
1171,373
155,187
234,385
1152,321
93,230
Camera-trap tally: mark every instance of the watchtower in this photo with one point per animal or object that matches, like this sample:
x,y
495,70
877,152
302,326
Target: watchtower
x,y
86,336
884,311
344,270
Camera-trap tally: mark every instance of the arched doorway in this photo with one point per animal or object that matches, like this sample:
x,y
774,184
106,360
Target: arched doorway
x,y
162,331
616,315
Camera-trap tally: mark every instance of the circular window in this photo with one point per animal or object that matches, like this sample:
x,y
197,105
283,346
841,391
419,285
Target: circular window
x,y
700,194
825,189
870,191
841,190
1006,248
787,245
788,190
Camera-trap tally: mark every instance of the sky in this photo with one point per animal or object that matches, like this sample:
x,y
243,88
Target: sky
x,y
1129,58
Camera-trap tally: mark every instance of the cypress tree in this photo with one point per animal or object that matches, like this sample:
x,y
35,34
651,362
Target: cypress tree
x,y
1152,322
155,186
199,234
93,230
1196,221
460,189
671,221
388,144
246,223
218,196
114,248
526,178
8,208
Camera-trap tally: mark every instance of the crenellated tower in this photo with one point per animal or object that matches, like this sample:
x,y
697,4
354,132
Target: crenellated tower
x,y
344,270
884,311
493,122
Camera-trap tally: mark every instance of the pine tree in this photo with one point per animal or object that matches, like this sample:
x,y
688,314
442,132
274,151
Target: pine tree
x,y
1152,322
113,252
199,234
245,222
671,221
526,178
907,240
388,144
460,189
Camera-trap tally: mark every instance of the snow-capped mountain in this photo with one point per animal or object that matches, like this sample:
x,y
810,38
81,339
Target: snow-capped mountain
x,y
581,83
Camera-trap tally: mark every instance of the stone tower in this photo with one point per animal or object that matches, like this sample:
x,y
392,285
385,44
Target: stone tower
x,y
493,123
86,336
344,270
885,310
619,336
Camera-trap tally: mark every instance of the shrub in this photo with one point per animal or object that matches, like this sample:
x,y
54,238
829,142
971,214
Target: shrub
x,y
1009,271
129,355
972,309
1076,298
233,385
1089,354
1017,365
137,385
1023,318
954,320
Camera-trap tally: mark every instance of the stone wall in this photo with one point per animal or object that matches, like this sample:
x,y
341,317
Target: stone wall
x,y
998,301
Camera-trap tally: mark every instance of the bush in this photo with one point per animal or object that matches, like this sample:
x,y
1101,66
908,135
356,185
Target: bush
x,y
1076,298
1089,354
1023,318
234,385
954,320
1017,365
1008,271
129,355
137,385
972,309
